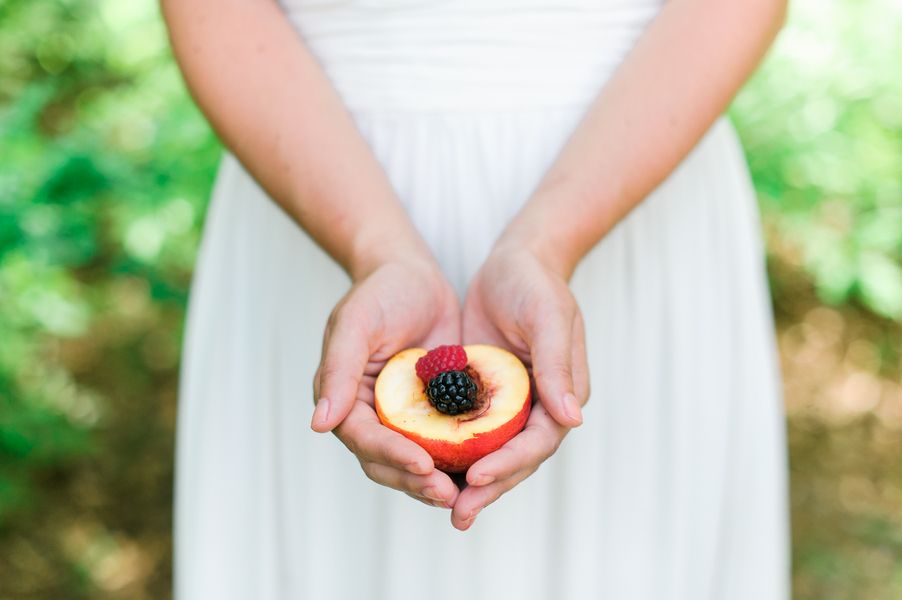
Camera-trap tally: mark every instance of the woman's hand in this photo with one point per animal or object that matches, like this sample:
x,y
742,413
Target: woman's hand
x,y
517,302
396,305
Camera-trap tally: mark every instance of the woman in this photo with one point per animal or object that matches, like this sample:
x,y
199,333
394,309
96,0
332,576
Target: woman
x,y
552,177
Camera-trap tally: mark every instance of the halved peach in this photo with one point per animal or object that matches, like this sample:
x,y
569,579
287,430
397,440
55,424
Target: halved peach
x,y
455,442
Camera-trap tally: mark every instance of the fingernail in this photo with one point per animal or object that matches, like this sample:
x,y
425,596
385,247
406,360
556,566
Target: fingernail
x,y
417,468
321,414
469,522
571,408
483,479
432,494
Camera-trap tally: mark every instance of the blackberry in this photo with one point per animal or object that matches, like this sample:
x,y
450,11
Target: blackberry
x,y
452,392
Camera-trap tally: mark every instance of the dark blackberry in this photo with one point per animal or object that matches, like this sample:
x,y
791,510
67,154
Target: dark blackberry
x,y
452,392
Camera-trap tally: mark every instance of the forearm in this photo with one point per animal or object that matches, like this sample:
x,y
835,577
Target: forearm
x,y
273,107
679,78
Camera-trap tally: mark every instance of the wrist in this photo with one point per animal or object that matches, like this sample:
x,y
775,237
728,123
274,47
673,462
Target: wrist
x,y
564,218
371,251
526,235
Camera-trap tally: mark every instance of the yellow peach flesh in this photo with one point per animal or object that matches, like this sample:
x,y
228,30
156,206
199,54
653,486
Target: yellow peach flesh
x,y
402,400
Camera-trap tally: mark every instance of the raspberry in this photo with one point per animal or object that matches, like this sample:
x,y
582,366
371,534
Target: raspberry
x,y
451,392
441,359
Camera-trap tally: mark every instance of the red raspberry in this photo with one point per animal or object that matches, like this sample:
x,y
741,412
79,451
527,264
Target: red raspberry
x,y
441,359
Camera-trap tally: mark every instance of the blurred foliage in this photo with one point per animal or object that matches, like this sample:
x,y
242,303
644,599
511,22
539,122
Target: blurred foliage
x,y
105,167
821,123
105,170
822,126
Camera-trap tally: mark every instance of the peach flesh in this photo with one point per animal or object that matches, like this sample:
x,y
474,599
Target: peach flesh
x,y
456,442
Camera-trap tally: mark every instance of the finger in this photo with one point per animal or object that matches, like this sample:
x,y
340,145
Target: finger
x,y
550,346
472,500
580,362
327,335
427,501
343,362
366,391
447,329
528,449
436,486
371,441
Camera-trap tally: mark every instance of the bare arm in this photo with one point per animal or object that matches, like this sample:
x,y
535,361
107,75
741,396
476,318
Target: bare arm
x,y
678,79
272,105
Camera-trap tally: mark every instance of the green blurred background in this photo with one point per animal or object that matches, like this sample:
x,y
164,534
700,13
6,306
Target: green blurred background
x,y
105,169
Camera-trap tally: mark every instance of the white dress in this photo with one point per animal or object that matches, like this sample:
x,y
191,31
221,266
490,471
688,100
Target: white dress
x,y
675,486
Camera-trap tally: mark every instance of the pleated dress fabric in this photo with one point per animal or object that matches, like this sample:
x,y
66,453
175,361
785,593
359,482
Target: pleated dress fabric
x,y
674,487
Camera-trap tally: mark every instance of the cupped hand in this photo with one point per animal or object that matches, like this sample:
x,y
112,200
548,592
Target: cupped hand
x,y
398,305
517,302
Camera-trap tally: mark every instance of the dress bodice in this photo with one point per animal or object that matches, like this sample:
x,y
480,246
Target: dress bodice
x,y
469,54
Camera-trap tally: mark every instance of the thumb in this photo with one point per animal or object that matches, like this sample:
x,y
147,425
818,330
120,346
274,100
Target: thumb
x,y
344,359
551,354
